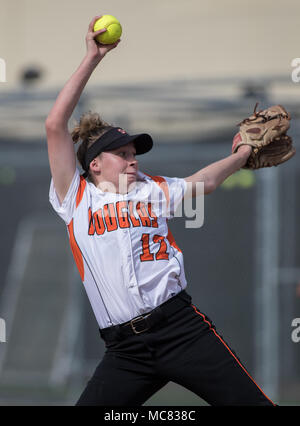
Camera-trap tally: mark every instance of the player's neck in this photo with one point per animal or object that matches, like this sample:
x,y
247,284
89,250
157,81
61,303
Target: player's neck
x,y
118,189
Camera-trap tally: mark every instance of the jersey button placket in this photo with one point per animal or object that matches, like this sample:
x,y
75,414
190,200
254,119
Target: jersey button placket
x,y
127,259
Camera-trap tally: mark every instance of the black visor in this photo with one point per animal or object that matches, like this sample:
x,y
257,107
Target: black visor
x,y
115,138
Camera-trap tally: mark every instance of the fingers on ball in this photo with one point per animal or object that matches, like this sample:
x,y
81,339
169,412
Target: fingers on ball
x,y
92,23
99,31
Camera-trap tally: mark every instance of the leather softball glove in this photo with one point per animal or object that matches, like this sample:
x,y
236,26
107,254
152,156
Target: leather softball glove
x,y
265,131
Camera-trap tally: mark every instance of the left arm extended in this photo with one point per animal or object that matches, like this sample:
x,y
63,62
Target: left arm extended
x,y
214,174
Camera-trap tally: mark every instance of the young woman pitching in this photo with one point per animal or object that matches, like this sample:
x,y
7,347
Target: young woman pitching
x,y
129,263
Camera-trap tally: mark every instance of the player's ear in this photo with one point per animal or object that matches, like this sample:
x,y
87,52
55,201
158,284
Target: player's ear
x,y
95,166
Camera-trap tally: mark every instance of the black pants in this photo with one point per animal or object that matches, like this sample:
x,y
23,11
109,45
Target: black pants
x,y
184,348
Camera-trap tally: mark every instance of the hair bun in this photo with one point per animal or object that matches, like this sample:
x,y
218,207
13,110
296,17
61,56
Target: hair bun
x,y
89,127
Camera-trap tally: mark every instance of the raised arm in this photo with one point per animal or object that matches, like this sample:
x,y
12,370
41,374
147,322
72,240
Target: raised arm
x,y
214,174
60,145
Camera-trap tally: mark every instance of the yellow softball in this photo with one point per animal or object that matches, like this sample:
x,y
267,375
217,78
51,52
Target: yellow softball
x,y
113,29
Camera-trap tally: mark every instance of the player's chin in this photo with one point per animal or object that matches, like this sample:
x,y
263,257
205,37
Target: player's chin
x,y
131,177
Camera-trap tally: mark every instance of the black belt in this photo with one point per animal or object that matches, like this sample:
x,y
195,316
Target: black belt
x,y
146,321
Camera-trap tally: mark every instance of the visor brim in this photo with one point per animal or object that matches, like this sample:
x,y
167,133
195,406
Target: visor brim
x,y
142,142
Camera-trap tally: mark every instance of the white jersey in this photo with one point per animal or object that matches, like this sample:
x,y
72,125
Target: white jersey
x,y
127,258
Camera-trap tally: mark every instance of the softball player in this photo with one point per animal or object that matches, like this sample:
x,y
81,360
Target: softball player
x,y
129,263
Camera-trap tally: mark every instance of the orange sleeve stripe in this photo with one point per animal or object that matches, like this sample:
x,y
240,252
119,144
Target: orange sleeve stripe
x,y
229,350
80,191
162,183
76,251
171,240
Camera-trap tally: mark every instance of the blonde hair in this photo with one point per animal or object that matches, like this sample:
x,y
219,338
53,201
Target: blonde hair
x,y
89,128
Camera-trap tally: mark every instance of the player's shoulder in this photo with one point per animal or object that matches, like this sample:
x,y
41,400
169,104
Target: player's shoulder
x,y
143,177
165,181
152,178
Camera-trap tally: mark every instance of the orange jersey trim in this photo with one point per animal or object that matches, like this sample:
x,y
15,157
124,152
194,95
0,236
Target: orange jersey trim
x,y
80,191
229,350
162,183
76,250
172,241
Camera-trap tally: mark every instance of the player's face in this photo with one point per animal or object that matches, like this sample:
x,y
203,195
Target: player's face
x,y
119,163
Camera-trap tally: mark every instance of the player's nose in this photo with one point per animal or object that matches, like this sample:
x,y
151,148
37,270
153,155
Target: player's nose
x,y
133,161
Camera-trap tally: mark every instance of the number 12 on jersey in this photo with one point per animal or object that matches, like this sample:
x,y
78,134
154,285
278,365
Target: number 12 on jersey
x,y
162,252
